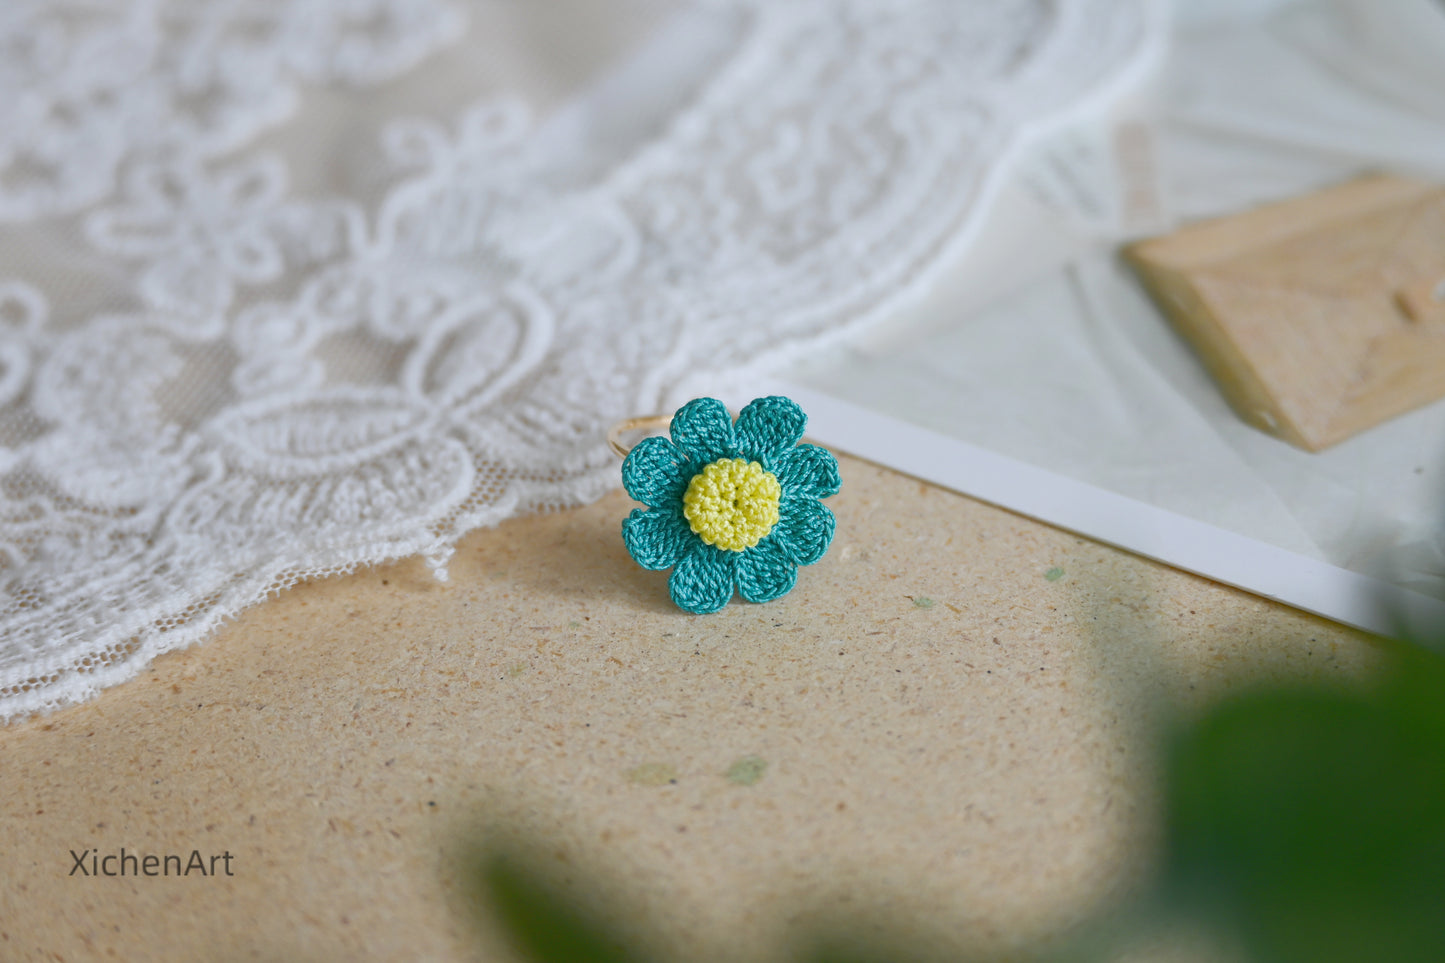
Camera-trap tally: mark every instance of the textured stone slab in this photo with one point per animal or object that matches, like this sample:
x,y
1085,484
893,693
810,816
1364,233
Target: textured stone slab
x,y
943,731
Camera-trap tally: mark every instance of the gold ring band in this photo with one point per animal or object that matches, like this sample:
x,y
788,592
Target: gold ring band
x,y
615,433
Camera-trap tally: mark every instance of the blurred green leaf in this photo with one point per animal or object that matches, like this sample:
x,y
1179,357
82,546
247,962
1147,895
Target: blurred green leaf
x,y
543,925
1312,821
835,948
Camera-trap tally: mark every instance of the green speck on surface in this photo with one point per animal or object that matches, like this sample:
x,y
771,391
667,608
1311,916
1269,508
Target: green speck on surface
x,y
1054,574
574,624
516,669
747,770
653,774
923,602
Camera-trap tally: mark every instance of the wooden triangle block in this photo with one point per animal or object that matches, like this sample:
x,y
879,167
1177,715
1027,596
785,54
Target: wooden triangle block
x,y
1318,317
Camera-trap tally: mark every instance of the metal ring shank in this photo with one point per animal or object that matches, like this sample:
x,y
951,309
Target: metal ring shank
x,y
615,433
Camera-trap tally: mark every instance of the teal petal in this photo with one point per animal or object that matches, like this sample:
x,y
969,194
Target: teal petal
x,y
656,473
807,470
703,580
656,538
804,530
703,429
769,426
765,572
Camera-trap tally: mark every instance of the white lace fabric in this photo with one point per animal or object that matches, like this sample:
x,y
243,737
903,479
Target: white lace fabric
x,y
264,319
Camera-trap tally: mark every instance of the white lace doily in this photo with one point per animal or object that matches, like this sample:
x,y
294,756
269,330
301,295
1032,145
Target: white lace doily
x,y
291,287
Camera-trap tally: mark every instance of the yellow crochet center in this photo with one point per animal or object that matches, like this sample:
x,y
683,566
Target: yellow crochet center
x,y
732,504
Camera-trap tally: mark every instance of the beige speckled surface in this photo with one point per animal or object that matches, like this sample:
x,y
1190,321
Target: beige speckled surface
x,y
976,770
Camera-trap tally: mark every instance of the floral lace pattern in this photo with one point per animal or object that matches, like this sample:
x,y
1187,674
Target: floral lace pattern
x,y
90,84
249,383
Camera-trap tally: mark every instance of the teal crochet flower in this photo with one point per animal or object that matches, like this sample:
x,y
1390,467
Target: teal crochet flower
x,y
730,506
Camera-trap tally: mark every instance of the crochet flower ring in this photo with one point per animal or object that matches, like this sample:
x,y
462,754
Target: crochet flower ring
x,y
730,506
